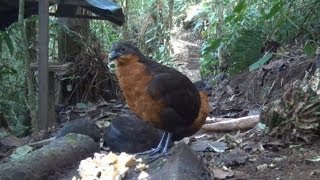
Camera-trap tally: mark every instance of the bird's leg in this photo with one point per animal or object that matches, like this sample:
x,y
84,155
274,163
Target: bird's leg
x,y
166,145
158,148
163,151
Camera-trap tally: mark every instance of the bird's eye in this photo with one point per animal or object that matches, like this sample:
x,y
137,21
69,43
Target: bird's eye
x,y
123,49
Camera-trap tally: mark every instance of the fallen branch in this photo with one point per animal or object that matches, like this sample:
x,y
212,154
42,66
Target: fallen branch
x,y
41,143
242,123
211,120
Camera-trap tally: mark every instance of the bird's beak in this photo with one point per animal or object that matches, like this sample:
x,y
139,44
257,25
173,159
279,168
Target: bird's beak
x,y
114,55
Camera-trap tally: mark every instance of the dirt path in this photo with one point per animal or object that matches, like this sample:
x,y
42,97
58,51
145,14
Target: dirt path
x,y
186,47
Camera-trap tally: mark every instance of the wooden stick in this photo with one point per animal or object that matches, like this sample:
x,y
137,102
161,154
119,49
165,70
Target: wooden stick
x,y
242,123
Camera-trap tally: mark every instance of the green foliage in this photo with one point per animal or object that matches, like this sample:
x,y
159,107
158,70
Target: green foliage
x,y
6,70
13,91
310,49
246,25
105,33
244,51
162,56
4,36
209,59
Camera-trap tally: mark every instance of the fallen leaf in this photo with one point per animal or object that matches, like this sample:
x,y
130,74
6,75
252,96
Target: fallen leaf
x,y
81,105
218,146
314,159
261,126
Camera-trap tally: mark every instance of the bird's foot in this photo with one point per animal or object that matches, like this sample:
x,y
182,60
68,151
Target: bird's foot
x,y
153,154
150,152
160,150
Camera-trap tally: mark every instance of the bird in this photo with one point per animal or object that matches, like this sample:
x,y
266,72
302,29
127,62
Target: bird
x,y
159,95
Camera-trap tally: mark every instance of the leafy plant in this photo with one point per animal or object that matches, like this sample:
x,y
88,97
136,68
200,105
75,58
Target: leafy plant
x,y
248,24
245,50
4,36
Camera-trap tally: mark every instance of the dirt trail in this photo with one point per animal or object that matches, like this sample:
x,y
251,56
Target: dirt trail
x,y
186,47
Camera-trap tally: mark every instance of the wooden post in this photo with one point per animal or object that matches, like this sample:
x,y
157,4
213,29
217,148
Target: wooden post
x,y
43,64
51,100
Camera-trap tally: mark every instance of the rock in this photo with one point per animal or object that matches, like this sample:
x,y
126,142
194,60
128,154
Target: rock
x,y
262,167
182,164
143,175
201,145
130,134
235,158
222,174
81,126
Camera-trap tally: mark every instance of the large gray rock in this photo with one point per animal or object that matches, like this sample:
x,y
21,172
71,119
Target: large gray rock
x,y
181,164
81,126
130,134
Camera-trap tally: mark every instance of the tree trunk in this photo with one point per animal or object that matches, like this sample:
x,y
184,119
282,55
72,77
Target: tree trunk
x,y
78,46
170,14
31,98
74,44
70,45
125,27
62,55
223,64
169,26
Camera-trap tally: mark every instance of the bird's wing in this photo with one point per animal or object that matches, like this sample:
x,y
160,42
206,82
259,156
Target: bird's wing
x,y
177,92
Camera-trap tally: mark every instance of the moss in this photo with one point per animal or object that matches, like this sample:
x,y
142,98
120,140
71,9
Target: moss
x,y
72,138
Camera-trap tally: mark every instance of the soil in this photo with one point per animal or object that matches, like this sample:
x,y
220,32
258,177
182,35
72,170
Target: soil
x,y
263,157
283,163
186,47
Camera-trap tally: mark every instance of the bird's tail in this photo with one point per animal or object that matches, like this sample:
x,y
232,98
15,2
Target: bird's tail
x,y
203,112
198,122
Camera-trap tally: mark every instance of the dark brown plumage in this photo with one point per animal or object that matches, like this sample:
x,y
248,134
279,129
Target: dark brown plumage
x,y
159,95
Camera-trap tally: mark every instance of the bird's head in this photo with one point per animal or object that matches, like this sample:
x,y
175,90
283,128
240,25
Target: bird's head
x,y
124,52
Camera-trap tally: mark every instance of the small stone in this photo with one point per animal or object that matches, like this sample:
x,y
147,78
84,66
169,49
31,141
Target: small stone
x,y
222,173
143,175
272,165
142,167
186,140
262,167
279,159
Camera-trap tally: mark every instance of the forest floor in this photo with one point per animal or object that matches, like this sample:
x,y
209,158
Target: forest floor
x,y
249,154
252,154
